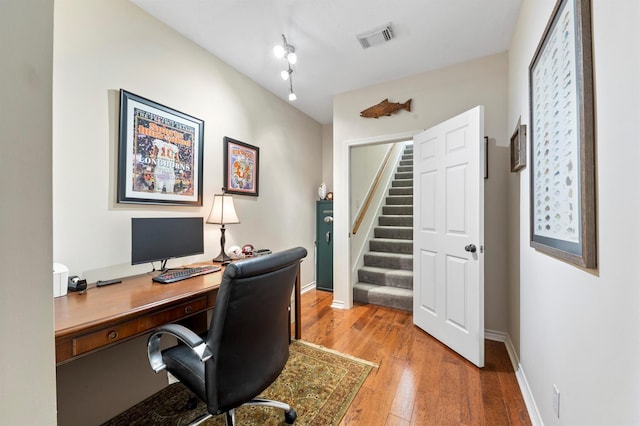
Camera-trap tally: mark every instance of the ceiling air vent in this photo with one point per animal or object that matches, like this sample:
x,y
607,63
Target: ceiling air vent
x,y
376,36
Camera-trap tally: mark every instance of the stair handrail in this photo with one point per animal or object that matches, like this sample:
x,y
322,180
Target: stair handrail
x,y
372,190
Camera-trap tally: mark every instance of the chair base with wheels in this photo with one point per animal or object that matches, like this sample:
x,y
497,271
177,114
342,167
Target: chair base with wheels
x,y
290,414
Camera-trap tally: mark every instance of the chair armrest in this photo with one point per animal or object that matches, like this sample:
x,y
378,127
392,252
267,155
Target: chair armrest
x,y
181,333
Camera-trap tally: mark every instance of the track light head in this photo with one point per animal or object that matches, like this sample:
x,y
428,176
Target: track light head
x,y
279,51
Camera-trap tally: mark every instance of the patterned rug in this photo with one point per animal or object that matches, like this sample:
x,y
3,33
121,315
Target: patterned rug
x,y
318,383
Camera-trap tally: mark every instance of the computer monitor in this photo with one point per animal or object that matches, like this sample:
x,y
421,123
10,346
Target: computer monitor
x,y
160,239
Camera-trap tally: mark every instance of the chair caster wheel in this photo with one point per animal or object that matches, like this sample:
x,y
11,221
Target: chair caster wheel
x,y
192,402
290,416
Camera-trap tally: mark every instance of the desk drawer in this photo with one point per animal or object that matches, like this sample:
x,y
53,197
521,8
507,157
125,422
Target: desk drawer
x,y
137,326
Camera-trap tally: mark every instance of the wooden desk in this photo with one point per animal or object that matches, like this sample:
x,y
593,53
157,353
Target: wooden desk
x,y
105,316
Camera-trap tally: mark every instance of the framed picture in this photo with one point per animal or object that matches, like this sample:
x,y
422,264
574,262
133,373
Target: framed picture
x,y
241,167
159,154
518,147
486,157
562,156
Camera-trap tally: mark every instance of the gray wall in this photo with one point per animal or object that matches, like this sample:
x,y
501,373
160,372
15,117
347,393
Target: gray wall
x,y
27,372
579,329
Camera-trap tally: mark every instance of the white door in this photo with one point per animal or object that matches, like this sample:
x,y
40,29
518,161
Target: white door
x,y
448,233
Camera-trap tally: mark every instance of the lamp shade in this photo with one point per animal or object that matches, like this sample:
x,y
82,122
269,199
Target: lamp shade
x,y
223,211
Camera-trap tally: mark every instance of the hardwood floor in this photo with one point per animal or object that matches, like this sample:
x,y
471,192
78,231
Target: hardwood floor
x,y
420,381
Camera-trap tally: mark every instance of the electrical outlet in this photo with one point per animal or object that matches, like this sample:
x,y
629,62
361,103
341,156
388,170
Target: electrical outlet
x,y
556,401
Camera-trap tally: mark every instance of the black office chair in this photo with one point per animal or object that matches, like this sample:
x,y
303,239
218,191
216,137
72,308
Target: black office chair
x,y
247,344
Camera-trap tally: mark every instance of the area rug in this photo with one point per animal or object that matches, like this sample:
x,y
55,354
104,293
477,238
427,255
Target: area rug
x,y
318,383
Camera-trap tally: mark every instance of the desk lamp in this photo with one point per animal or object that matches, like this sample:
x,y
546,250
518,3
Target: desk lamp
x,y
222,212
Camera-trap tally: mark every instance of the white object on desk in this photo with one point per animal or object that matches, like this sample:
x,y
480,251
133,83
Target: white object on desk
x,y
60,277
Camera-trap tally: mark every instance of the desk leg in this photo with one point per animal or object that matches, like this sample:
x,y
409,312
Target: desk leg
x,y
298,329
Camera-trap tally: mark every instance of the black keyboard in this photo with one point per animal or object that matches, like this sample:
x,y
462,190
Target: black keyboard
x,y
183,274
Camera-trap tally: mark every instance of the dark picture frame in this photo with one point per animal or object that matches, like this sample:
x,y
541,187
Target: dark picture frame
x,y
241,167
486,157
518,147
562,141
160,154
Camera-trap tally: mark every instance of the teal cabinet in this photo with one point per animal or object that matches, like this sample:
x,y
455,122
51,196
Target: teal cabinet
x,y
324,245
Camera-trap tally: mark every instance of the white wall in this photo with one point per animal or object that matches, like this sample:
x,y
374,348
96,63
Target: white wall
x,y
327,156
364,164
27,373
580,329
100,47
437,96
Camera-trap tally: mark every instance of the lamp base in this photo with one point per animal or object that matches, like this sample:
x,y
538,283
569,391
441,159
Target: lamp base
x,y
222,257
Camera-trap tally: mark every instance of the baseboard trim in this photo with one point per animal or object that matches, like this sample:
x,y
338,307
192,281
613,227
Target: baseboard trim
x,y
494,335
338,304
527,395
308,287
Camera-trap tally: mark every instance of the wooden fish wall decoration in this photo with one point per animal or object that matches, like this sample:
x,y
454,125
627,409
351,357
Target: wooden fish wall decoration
x,y
385,108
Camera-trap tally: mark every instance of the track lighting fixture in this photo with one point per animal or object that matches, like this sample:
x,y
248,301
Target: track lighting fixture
x,y
288,52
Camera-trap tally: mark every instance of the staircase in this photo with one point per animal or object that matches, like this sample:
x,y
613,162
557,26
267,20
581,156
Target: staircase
x,y
386,278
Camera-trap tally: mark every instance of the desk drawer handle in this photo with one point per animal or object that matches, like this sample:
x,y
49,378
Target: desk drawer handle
x,y
113,335
188,309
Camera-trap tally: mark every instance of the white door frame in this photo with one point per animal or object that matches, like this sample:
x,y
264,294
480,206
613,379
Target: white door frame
x,y
342,285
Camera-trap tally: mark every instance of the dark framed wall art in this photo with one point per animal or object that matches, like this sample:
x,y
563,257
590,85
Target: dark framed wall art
x,y
486,157
241,167
518,147
562,157
159,154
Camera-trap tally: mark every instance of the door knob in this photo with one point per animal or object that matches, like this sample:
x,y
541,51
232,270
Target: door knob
x,y
470,248
328,219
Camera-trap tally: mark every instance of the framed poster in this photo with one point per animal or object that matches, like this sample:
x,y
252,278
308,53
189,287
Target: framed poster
x,y
518,147
241,167
486,157
562,157
160,154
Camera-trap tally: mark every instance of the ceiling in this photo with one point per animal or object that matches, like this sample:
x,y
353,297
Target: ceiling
x,y
428,34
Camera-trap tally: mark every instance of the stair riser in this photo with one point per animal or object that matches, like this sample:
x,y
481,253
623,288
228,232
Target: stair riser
x,y
360,295
402,183
405,169
401,191
398,233
404,175
378,278
391,247
405,220
400,200
388,262
391,301
378,295
397,210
